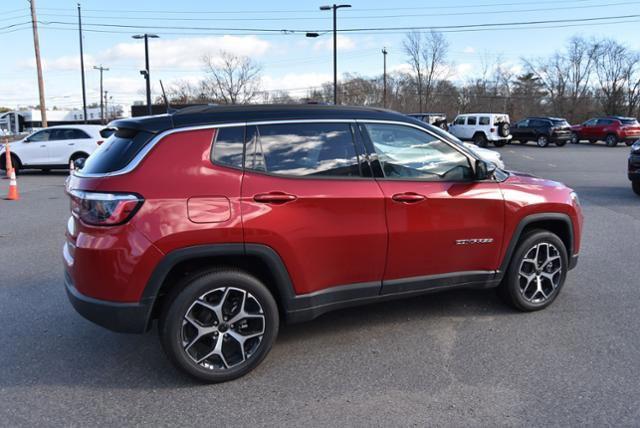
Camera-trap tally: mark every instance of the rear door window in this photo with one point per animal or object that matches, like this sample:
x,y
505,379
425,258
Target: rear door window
x,y
471,120
303,150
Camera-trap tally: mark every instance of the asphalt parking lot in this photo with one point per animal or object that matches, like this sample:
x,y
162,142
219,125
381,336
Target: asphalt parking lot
x,y
458,358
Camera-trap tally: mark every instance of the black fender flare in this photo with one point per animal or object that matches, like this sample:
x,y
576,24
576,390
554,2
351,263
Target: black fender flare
x,y
533,218
268,255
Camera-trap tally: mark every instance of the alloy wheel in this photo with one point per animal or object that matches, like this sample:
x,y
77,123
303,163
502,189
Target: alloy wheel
x,y
543,141
223,328
540,273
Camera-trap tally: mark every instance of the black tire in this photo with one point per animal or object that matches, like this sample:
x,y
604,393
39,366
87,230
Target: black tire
x,y
217,283
15,163
542,141
575,139
611,140
77,156
635,185
510,288
561,143
480,140
503,129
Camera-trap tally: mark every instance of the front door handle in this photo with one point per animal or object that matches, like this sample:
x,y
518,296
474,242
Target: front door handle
x,y
274,198
408,197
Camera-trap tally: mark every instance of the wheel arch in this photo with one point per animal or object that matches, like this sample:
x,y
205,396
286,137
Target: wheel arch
x,y
76,155
558,223
258,260
14,157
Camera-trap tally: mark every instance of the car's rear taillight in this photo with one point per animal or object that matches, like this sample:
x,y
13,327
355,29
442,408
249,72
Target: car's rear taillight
x,y
99,142
492,130
104,209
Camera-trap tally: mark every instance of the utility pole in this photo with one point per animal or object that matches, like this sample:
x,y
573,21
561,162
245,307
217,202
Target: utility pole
x,y
36,45
384,77
102,108
84,91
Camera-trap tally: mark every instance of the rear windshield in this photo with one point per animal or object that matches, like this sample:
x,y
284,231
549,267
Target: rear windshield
x,y
116,152
561,122
629,121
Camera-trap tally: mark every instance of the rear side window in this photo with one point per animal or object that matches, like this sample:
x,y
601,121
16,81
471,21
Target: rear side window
x,y
303,149
116,152
485,120
228,147
560,123
471,120
107,132
629,121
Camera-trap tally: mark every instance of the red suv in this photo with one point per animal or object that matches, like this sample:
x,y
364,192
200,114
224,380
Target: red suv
x,y
220,222
611,130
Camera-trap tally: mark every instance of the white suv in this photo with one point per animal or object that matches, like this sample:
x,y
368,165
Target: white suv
x,y
482,128
55,147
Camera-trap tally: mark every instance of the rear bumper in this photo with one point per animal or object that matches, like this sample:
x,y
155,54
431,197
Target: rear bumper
x,y
115,316
560,137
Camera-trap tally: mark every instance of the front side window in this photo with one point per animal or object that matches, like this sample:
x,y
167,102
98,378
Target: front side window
x,y
40,136
459,120
406,152
591,122
303,149
228,147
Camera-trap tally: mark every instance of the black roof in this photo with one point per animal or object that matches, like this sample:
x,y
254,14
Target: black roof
x,y
544,117
214,114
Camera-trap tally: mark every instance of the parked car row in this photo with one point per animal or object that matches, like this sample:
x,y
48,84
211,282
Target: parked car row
x,y
485,128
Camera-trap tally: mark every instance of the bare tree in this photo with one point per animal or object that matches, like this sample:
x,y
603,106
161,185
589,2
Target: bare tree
x,y
232,79
611,69
434,57
412,45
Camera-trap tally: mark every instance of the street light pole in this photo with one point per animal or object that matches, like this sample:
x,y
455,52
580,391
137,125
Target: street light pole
x,y
384,77
145,72
335,8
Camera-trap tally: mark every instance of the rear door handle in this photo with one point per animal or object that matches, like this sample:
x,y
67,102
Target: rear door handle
x,y
408,197
274,198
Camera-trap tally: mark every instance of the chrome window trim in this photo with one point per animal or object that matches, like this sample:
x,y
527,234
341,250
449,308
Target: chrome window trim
x,y
133,164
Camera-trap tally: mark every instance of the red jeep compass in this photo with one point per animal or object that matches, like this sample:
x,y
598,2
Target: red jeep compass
x,y
220,222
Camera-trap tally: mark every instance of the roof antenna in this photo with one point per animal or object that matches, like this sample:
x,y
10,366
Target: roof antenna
x,y
166,100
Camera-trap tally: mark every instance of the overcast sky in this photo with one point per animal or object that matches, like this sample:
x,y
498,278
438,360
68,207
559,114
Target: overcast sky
x,y
289,61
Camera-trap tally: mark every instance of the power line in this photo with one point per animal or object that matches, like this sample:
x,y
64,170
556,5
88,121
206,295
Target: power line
x,y
354,30
297,18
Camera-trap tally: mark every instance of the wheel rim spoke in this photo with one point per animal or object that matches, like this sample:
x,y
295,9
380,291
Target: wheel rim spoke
x,y
540,272
223,328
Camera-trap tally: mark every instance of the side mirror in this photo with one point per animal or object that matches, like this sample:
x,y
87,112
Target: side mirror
x,y
79,163
26,140
484,170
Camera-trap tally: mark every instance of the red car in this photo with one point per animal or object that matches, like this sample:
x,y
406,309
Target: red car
x,y
220,222
611,130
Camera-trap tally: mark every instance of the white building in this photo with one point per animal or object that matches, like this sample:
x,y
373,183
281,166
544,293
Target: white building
x,y
19,121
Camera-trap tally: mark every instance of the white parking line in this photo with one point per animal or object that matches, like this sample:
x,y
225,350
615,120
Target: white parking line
x,y
528,157
552,165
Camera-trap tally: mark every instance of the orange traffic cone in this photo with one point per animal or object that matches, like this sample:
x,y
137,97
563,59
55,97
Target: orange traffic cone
x,y
13,188
7,158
